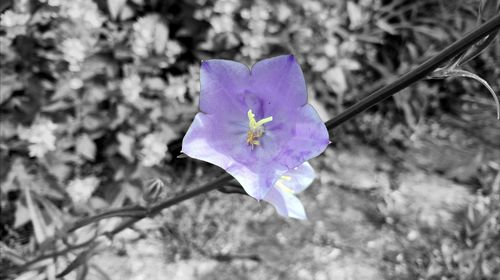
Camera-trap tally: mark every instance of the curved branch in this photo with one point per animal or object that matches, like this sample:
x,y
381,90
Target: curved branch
x,y
43,257
132,211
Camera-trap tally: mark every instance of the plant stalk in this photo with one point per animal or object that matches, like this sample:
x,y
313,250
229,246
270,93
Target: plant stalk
x,y
418,73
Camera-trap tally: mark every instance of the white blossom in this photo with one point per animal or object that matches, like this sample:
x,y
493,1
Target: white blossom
x,y
145,33
75,83
74,52
53,3
172,51
11,19
176,88
131,88
222,24
15,24
154,147
82,10
40,136
80,190
151,37
193,80
253,44
226,6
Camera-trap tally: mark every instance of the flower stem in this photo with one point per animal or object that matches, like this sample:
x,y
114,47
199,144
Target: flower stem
x,y
215,184
406,80
418,73
130,211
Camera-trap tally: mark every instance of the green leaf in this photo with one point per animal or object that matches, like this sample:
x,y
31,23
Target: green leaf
x,y
17,169
86,147
10,83
30,275
50,271
127,13
115,7
488,9
55,215
445,73
336,79
81,259
39,226
58,105
126,146
131,192
103,275
22,215
11,254
61,171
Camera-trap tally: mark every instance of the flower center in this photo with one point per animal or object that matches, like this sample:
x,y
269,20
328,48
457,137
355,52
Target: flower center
x,y
255,129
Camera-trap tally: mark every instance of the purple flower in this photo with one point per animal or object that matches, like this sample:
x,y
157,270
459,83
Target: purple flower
x,y
256,124
282,195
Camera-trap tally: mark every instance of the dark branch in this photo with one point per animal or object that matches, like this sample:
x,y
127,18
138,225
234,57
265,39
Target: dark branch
x,y
418,73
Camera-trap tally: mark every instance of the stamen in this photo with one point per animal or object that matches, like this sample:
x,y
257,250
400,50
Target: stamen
x,y
255,128
283,187
264,121
286,178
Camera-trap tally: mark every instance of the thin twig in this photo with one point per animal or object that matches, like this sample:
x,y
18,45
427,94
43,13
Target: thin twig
x,y
40,258
130,211
215,184
418,73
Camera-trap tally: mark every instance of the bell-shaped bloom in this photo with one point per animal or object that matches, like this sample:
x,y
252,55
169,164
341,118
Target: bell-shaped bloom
x,y
255,123
282,194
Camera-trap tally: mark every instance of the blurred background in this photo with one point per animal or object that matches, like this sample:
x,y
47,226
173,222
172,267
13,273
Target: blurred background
x,y
96,96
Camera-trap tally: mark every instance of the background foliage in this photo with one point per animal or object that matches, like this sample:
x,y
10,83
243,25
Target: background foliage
x,y
96,95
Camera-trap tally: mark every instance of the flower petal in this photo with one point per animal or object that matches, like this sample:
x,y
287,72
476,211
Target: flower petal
x,y
226,147
224,84
307,137
282,196
300,177
286,204
258,179
280,82
273,88
203,142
